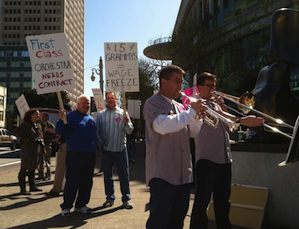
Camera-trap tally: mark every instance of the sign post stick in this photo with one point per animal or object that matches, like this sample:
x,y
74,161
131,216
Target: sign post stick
x,y
61,105
124,103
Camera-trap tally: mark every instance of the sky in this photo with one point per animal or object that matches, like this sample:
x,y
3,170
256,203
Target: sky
x,y
123,21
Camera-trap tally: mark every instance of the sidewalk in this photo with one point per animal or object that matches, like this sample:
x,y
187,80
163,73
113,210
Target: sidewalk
x,y
41,212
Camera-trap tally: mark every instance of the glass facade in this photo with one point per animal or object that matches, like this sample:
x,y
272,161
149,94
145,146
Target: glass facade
x,y
15,73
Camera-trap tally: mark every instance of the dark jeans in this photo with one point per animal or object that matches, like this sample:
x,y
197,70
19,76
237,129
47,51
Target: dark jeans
x,y
212,178
168,205
79,178
120,159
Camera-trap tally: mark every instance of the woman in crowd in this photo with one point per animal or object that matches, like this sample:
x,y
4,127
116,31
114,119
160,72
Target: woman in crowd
x,y
31,145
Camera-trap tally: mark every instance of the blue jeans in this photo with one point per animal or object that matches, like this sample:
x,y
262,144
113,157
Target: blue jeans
x,y
79,178
168,204
120,159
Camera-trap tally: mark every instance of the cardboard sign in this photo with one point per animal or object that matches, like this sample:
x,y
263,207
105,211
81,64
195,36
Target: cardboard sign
x,y
134,108
121,67
50,62
22,105
98,98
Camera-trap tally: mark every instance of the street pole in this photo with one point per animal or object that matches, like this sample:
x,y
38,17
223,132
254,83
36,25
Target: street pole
x,y
99,72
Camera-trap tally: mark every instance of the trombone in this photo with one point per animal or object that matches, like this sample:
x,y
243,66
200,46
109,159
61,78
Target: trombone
x,y
246,103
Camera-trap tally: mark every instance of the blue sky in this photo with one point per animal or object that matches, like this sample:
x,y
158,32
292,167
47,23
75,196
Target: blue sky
x,y
124,21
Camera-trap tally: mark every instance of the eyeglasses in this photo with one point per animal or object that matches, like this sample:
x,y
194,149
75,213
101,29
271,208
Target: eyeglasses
x,y
177,81
209,85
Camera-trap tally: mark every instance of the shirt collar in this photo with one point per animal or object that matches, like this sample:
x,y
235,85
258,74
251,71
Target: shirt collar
x,y
168,99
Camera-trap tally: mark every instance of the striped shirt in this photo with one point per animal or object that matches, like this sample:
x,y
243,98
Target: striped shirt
x,y
111,131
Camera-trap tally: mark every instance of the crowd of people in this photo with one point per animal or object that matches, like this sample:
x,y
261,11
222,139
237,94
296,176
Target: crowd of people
x,y
170,172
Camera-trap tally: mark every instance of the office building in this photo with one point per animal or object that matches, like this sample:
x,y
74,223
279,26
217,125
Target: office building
x,y
20,18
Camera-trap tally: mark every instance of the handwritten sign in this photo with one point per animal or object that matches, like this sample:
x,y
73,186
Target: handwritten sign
x,y
121,66
134,108
22,105
50,62
98,98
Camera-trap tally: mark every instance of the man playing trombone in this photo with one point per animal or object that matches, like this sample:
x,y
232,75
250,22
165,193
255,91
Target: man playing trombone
x,y
213,159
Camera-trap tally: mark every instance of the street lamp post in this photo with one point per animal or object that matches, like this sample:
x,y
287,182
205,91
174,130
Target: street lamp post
x,y
99,72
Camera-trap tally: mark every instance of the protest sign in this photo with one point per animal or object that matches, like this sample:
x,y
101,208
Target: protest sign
x,y
22,105
50,62
121,67
134,108
98,98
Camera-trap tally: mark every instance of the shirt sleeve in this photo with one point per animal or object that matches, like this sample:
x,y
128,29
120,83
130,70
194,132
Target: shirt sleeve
x,y
166,124
129,127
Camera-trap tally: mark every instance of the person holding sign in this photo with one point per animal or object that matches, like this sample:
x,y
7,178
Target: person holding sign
x,y
112,127
168,127
80,133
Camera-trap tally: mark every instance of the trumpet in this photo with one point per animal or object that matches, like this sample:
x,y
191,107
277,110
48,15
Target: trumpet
x,y
212,118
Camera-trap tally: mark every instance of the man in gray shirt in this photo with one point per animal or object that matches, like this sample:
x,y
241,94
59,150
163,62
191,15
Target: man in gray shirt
x,y
168,127
213,160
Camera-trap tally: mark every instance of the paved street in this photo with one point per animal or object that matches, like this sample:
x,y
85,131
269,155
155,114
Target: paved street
x,y
38,211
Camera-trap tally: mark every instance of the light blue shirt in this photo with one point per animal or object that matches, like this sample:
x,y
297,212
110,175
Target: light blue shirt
x,y
111,131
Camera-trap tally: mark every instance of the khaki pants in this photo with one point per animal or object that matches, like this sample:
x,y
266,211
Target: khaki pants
x,y
60,168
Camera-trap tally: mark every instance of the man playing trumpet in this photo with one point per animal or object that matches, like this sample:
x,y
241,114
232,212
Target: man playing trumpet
x,y
213,160
168,160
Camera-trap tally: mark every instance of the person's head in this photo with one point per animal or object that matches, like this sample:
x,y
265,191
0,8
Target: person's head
x,y
32,115
45,117
83,104
111,100
206,83
171,79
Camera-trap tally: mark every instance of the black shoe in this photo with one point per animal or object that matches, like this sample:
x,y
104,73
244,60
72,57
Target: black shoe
x,y
108,203
52,193
35,189
25,192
